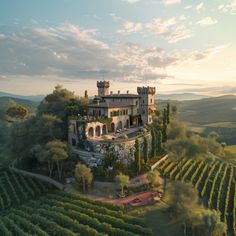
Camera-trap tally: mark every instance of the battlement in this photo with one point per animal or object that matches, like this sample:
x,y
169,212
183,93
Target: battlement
x,y
103,84
146,90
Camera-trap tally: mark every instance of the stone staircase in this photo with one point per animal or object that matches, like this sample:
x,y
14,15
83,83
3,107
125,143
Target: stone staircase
x,y
90,158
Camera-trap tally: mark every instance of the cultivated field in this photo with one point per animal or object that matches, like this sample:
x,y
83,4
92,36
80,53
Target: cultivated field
x,y
28,207
215,182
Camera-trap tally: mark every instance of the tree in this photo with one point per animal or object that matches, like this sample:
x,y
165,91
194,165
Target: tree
x,y
182,203
164,133
122,181
164,119
146,149
16,111
159,141
137,156
83,175
174,109
176,130
54,152
154,143
154,178
86,94
210,224
213,135
168,113
56,104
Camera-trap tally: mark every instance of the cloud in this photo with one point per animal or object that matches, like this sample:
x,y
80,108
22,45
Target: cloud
x,y
200,6
169,29
206,21
171,2
204,54
187,7
228,8
127,26
71,52
2,36
131,1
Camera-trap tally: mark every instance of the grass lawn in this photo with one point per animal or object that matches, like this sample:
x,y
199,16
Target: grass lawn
x,y
232,157
158,219
231,149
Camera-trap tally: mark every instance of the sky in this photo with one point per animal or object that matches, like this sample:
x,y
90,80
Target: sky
x,y
177,46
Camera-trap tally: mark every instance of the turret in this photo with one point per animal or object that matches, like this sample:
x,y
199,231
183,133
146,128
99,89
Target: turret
x,y
147,101
103,88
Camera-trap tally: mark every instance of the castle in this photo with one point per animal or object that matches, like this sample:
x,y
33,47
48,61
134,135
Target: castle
x,y
114,112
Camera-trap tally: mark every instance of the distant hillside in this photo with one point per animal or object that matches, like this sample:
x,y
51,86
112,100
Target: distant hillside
x,y
30,105
180,97
36,98
209,110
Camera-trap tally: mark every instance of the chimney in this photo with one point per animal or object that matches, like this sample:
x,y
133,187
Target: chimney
x,y
118,91
127,91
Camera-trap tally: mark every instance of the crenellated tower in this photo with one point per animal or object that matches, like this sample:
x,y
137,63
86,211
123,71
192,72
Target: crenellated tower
x,y
103,88
147,103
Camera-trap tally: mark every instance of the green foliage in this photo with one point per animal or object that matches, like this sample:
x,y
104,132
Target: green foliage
x,y
137,156
168,113
122,181
16,188
216,187
83,176
154,143
177,130
154,178
146,149
64,214
17,111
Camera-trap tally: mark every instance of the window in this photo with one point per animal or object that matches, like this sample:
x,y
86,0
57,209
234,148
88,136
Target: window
x,y
136,103
126,111
143,101
111,114
151,101
150,119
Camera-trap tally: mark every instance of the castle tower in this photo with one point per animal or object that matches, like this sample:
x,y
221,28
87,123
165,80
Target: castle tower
x,y
103,88
147,103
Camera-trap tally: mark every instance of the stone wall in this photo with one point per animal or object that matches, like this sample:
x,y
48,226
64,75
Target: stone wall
x,y
124,150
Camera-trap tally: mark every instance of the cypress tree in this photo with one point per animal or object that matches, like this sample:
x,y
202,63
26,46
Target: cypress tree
x,y
164,133
86,94
137,156
159,141
146,150
164,121
153,151
168,113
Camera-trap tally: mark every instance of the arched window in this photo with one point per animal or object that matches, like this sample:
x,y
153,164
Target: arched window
x,y
112,127
104,129
91,132
98,131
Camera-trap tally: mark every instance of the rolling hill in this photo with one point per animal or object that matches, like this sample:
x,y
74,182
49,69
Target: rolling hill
x,y
36,98
209,110
30,105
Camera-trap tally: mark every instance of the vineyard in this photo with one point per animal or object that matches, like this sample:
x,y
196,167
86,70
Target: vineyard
x,y
29,208
215,182
16,189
